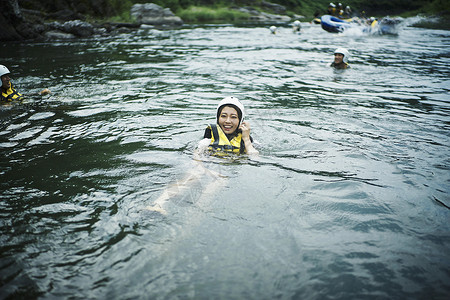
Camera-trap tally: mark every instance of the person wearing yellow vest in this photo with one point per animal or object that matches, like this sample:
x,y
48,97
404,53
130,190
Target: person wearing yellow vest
x,y
332,9
8,92
230,134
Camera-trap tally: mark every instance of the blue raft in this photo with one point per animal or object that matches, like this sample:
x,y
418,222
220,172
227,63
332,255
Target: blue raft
x,y
334,24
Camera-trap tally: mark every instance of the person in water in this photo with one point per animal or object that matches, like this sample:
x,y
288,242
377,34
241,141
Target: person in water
x,y
347,12
230,133
341,56
9,93
273,29
296,26
331,9
340,11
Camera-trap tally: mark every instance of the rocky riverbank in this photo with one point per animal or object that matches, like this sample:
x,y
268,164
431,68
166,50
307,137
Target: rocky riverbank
x,y
23,24
20,23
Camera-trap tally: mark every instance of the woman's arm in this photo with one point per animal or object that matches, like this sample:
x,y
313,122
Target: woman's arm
x,y
249,149
202,147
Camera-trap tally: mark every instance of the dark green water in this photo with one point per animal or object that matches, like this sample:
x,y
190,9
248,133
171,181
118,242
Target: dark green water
x,y
347,199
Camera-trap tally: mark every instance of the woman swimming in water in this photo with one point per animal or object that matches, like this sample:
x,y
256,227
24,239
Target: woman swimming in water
x,y
230,134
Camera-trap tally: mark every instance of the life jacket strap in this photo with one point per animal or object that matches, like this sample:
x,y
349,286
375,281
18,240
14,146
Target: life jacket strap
x,y
215,134
10,97
215,145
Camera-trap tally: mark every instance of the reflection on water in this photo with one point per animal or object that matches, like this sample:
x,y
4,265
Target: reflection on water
x,y
348,198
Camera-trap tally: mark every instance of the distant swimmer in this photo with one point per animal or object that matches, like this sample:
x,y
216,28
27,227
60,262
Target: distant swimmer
x,y
296,26
273,29
9,93
341,57
230,134
347,12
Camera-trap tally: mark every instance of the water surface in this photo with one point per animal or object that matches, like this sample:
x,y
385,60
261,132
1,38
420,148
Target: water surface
x,y
348,198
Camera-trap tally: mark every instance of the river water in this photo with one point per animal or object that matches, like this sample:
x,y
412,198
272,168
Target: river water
x,y
348,199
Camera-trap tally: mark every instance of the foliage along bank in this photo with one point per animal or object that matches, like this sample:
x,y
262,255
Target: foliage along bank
x,y
120,9
309,7
24,19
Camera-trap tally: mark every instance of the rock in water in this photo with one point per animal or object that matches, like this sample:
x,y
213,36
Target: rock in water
x,y
152,14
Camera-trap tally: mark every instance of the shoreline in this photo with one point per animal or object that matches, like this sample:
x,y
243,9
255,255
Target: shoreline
x,y
29,24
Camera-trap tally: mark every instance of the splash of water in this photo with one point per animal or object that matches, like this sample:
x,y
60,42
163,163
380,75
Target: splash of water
x,y
386,26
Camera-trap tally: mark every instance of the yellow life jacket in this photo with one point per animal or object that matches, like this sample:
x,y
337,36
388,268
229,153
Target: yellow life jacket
x,y
374,24
11,95
220,142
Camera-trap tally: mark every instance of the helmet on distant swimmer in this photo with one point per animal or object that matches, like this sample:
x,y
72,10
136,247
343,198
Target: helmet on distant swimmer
x,y
233,102
297,23
344,52
4,70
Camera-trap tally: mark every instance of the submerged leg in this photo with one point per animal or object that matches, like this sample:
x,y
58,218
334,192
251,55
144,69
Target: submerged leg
x,y
182,186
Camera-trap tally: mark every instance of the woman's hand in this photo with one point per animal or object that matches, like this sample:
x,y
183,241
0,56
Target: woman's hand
x,y
44,92
245,128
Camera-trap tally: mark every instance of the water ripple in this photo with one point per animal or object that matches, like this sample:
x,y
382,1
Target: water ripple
x,y
348,198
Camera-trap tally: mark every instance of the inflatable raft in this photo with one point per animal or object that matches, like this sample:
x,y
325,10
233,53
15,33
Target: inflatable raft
x,y
386,25
390,25
334,24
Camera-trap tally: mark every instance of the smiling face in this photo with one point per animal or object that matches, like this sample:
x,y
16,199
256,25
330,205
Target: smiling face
x,y
5,81
338,58
228,119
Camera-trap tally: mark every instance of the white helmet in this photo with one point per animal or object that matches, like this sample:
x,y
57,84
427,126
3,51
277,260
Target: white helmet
x,y
297,23
3,70
234,102
344,52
